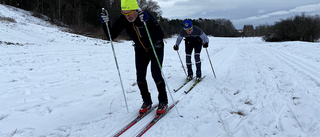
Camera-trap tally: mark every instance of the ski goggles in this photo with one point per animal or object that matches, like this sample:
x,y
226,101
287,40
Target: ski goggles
x,y
188,29
128,14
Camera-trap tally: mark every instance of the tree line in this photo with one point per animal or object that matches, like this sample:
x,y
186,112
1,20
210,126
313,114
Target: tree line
x,y
82,16
76,14
297,28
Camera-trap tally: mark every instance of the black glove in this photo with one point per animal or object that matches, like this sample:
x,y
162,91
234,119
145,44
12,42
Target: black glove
x,y
205,45
176,47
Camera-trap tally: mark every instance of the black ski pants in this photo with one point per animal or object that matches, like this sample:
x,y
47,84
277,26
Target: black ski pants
x,y
142,60
197,46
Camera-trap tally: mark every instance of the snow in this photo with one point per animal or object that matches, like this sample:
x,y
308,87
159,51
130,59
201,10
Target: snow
x,y
54,83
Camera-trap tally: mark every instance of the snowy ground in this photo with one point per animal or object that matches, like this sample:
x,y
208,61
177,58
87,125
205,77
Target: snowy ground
x,y
54,83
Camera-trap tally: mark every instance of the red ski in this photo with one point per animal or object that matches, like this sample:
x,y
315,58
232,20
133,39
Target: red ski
x,y
155,120
134,121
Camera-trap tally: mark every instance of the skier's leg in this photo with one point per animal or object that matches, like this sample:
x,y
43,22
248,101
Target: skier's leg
x,y
142,61
157,76
189,49
198,48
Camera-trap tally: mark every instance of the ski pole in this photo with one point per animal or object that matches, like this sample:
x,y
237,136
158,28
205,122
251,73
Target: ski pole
x,y
210,63
164,78
115,58
182,64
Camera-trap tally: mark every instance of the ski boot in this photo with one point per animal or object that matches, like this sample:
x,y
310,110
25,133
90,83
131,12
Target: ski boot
x,y
190,77
162,108
145,107
198,78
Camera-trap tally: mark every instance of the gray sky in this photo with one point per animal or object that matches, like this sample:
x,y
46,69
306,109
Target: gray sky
x,y
240,12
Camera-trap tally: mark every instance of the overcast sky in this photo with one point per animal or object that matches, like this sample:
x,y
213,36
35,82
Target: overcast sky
x,y
240,12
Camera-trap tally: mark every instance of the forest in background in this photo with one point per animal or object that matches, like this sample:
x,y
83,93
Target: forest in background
x,y
298,28
82,17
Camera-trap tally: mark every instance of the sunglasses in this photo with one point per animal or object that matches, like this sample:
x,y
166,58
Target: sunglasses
x,y
187,29
128,14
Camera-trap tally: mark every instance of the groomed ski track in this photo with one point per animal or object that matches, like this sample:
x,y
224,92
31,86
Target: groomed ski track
x,y
249,98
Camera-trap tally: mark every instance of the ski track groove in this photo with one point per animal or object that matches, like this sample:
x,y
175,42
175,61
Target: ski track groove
x,y
267,96
228,60
299,65
275,107
226,57
296,65
269,90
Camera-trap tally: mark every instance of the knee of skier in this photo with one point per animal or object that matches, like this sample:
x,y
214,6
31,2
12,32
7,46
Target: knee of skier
x,y
157,77
141,81
197,57
188,58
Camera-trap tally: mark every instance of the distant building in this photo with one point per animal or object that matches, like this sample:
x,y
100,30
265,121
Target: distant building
x,y
248,31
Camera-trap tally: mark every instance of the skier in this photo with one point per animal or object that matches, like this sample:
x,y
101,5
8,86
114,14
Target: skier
x,y
194,39
144,54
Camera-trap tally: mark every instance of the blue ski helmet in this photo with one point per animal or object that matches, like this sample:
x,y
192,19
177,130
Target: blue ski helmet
x,y
187,24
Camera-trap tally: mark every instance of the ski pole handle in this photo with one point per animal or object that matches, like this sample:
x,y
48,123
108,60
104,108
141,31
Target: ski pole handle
x,y
104,10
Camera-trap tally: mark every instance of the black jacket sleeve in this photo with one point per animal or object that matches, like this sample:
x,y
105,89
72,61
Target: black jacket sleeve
x,y
116,28
155,27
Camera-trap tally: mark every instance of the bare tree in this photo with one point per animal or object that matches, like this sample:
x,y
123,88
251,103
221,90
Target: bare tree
x,y
151,6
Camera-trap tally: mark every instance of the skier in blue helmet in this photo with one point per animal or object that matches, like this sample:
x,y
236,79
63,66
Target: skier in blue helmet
x,y
195,38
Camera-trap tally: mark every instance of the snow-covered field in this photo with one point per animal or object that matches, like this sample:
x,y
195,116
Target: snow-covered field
x,y
54,83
